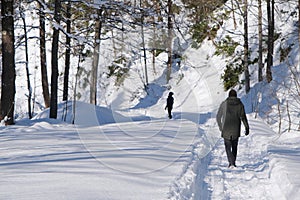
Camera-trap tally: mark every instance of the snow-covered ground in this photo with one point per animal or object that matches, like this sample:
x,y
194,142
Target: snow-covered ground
x,y
108,155
146,159
130,150
258,175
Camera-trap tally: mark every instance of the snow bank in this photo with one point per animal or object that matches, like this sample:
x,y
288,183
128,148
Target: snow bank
x,y
284,156
85,114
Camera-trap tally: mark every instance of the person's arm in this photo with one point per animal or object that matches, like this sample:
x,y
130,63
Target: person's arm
x,y
219,117
244,119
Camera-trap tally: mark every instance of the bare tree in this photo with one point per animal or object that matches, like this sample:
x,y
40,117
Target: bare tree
x,y
143,44
54,60
94,72
68,52
170,38
260,43
8,89
299,24
233,15
44,73
27,63
270,11
246,48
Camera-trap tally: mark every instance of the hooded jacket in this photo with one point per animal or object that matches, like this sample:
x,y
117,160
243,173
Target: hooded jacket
x,y
170,101
230,114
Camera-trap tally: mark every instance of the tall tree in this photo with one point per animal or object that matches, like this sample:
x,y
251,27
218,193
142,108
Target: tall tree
x,y
270,13
27,62
8,62
299,26
260,43
170,39
233,15
54,60
143,44
68,52
246,48
44,73
94,72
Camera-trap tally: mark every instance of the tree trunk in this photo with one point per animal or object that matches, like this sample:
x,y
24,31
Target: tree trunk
x,y
143,44
299,28
8,62
68,53
44,73
299,22
270,11
170,38
75,86
154,47
27,68
246,48
94,74
54,61
233,15
260,43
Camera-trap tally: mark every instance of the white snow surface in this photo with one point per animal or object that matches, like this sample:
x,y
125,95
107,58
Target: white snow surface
x,y
127,155
131,151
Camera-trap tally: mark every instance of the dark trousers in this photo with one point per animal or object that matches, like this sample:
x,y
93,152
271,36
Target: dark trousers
x,y
231,150
170,112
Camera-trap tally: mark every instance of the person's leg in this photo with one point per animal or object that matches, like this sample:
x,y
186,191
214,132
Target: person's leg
x,y
230,156
234,148
170,112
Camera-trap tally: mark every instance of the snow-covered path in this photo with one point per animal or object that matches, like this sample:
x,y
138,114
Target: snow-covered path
x,y
268,167
250,180
265,171
135,160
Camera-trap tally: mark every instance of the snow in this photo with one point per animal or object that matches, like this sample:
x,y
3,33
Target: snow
x,y
127,148
108,155
144,159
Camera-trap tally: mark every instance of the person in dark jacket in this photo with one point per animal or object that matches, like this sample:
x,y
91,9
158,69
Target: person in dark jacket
x,y
229,117
170,102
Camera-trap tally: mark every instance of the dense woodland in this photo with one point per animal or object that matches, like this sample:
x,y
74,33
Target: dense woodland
x,y
76,29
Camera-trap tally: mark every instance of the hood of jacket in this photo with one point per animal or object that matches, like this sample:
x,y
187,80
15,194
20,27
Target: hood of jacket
x,y
233,101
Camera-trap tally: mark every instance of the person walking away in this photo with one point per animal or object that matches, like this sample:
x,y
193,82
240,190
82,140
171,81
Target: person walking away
x,y
169,106
229,117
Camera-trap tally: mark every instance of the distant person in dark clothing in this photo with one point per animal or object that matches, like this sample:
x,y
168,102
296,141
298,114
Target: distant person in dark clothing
x,y
170,101
230,114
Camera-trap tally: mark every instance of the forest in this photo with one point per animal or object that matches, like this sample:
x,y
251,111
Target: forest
x,y
67,34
